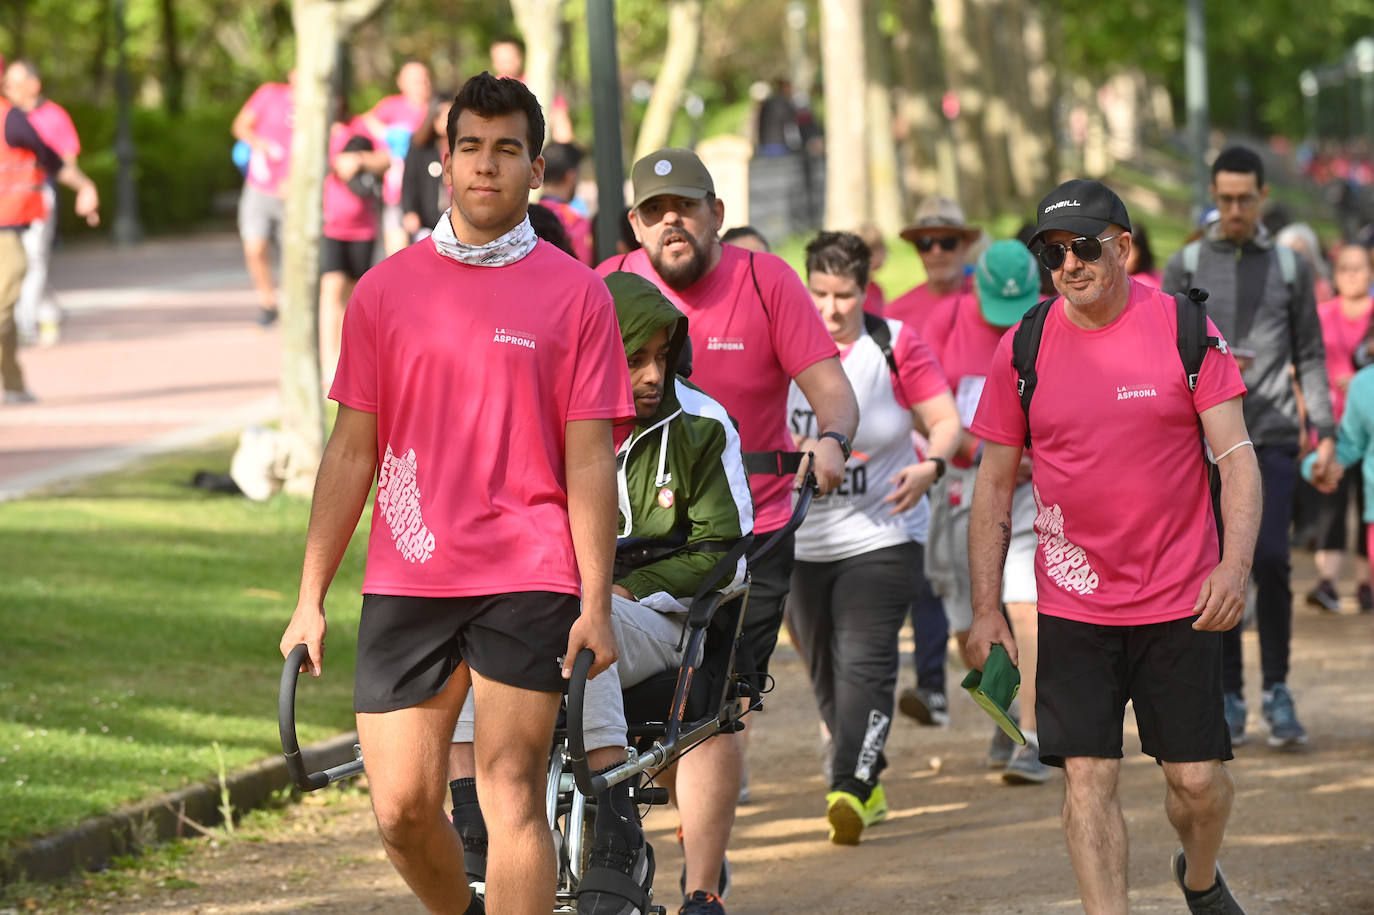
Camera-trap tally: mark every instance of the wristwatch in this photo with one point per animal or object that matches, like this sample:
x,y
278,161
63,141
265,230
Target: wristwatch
x,y
939,466
840,437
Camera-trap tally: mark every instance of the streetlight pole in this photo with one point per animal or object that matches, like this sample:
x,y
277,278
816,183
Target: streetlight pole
x,y
127,228
1309,86
1364,65
1195,75
610,162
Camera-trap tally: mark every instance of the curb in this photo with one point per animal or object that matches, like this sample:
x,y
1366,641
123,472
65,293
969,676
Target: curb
x,y
93,843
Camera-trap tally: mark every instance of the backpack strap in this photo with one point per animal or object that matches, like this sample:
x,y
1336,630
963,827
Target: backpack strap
x,y
882,335
623,259
1025,348
755,277
1193,339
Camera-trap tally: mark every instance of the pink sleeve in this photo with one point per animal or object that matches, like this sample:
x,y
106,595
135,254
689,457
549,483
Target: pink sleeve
x,y
1219,378
919,374
600,375
999,417
799,337
57,130
259,99
355,381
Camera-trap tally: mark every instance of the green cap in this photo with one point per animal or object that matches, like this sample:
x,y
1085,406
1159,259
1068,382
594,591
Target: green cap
x,y
1008,282
670,171
994,687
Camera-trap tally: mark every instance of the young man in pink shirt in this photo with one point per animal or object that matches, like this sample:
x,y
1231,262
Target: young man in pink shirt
x,y
943,241
391,122
480,374
1132,599
265,122
754,330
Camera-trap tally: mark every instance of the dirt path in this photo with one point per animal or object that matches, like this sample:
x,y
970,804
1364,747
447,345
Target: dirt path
x,y
958,841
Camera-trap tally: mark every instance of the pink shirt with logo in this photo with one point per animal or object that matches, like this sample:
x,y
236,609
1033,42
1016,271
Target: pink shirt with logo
x,y
396,111
55,127
473,373
746,351
347,217
274,119
1124,522
1341,336
917,308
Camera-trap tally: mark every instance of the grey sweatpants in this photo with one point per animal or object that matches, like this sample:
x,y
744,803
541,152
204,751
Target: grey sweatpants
x,y
648,642
847,614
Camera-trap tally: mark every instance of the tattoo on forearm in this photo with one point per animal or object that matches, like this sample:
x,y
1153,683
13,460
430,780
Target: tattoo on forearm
x,y
1005,528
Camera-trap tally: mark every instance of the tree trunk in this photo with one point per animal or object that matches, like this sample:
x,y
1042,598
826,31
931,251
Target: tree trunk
x,y
927,155
320,26
995,115
886,203
539,24
684,25
1041,92
962,77
173,70
846,123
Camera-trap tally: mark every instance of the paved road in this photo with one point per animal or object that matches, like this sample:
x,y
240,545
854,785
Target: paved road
x,y
159,350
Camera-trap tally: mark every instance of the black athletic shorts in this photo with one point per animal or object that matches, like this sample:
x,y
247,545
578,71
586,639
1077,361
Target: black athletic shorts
x,y
351,257
408,647
1169,672
769,582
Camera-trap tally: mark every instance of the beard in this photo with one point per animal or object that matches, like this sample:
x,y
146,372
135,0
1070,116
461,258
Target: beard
x,y
681,273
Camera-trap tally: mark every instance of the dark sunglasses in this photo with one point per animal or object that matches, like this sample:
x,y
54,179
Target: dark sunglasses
x,y
946,242
1086,248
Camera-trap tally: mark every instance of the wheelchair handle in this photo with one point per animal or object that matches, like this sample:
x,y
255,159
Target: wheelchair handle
x,y
809,490
577,745
286,726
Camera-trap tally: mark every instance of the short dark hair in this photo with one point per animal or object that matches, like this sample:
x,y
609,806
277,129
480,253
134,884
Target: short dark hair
x,y
549,227
745,232
1239,159
560,159
489,96
507,39
839,254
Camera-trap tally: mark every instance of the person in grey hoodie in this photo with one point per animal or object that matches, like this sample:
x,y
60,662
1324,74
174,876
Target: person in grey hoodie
x,y
1260,297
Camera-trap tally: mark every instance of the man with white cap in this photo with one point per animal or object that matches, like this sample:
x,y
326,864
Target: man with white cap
x,y
944,240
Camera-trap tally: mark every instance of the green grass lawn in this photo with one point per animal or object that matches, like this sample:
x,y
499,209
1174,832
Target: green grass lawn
x,y
140,622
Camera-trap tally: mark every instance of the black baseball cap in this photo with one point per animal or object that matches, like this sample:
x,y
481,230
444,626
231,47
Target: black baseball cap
x,y
1082,207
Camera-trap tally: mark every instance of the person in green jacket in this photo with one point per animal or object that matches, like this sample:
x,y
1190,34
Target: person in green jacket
x,y
684,501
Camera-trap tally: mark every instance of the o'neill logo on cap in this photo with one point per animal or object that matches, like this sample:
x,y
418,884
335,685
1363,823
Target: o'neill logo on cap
x,y
662,167
1062,203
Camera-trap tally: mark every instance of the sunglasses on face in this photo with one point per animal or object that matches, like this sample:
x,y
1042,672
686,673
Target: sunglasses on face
x,y
946,243
1087,248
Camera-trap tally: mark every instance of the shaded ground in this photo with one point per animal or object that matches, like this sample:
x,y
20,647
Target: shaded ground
x,y
958,841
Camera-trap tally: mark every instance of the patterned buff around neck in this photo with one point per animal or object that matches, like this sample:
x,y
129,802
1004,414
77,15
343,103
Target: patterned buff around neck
x,y
499,252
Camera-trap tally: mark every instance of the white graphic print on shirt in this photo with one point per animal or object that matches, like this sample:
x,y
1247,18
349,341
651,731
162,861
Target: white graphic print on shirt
x,y
398,502
1066,563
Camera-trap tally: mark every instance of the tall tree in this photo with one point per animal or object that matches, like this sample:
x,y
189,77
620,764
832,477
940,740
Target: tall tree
x,y
980,21
680,59
320,26
886,205
540,24
927,154
965,82
846,117
173,69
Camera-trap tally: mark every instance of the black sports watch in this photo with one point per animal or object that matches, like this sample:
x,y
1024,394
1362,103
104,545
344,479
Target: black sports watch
x,y
840,437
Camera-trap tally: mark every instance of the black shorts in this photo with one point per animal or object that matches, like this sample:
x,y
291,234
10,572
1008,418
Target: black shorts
x,y
408,647
351,257
1170,672
769,582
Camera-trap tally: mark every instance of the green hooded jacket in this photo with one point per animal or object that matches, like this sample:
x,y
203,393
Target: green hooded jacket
x,y
682,489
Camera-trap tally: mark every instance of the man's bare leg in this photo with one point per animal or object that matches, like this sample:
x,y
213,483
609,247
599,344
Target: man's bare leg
x,y
1096,833
257,256
1025,628
1198,802
406,755
706,792
514,733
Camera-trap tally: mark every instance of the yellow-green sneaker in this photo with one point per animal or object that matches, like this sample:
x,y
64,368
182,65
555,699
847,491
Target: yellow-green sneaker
x,y
848,815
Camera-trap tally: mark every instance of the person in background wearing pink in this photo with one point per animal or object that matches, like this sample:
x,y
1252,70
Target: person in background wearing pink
x,y
391,123
943,240
1140,266
1345,321
265,123
507,55
37,313
351,194
875,303
561,162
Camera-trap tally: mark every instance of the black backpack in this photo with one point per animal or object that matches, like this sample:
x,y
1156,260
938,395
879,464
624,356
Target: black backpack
x,y
1193,343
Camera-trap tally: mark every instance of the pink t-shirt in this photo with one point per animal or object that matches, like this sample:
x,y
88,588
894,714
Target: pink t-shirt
x,y
745,351
578,227
396,111
917,308
274,112
964,351
1125,527
347,217
54,126
1149,278
1341,336
874,302
473,373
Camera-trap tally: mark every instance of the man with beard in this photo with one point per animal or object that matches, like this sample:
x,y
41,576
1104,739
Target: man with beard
x,y
753,330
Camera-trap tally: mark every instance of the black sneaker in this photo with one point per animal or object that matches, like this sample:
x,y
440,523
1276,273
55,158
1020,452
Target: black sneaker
x,y
617,878
927,706
702,903
1365,595
1324,597
1216,901
1285,731
267,316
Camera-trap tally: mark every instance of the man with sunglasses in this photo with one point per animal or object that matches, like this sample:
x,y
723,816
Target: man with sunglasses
x,y
1272,320
942,239
1131,597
